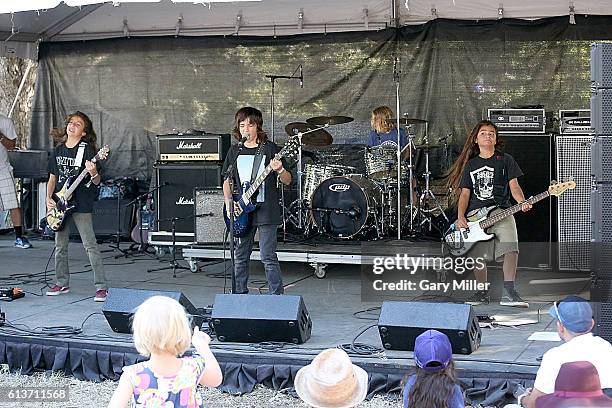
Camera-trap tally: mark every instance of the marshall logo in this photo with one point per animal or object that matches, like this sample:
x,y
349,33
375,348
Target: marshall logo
x,y
184,201
338,188
186,146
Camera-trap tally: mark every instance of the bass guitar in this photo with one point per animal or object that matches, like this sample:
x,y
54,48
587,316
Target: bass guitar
x,y
244,220
459,242
57,216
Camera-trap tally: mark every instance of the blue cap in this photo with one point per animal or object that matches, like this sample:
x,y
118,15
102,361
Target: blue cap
x,y
432,351
573,312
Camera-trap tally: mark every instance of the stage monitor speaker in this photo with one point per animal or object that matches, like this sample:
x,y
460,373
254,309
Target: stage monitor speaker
x,y
400,323
533,154
121,304
209,220
255,319
601,300
573,154
105,218
175,199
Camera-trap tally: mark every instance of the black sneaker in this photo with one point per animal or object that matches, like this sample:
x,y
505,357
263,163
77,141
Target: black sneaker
x,y
512,298
481,297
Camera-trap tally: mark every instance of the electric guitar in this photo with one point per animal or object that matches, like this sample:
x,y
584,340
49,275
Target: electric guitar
x,y
459,242
57,216
244,220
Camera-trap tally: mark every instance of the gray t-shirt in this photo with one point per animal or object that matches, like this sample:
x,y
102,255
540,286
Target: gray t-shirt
x,y
8,130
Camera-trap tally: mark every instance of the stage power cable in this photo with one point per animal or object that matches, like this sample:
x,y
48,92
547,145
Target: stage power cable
x,y
361,349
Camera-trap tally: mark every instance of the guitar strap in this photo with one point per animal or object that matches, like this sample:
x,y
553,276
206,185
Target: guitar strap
x,y
78,160
257,162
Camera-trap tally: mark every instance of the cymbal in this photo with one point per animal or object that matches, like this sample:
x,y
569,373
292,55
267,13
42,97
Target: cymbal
x,y
427,146
329,120
320,137
407,121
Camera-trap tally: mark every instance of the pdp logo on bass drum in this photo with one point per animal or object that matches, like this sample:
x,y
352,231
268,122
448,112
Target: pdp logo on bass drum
x,y
339,188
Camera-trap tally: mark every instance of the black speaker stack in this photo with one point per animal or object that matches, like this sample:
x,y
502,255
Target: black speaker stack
x,y
601,195
186,162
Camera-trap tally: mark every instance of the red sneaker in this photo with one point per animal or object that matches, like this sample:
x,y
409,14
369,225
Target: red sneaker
x,y
57,290
100,295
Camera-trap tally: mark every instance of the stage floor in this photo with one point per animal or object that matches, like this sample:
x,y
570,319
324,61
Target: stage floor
x,y
332,303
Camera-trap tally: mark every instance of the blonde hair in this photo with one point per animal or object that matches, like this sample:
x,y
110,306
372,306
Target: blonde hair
x,y
380,117
161,325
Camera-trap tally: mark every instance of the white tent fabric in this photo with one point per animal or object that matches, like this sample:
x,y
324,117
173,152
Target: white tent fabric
x,y
54,20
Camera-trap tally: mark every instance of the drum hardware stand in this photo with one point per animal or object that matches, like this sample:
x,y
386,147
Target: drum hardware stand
x,y
427,195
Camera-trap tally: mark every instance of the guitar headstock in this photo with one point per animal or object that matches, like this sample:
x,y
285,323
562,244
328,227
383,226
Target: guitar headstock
x,y
102,153
556,189
290,148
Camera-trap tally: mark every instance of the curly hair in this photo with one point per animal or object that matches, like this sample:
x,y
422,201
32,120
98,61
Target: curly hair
x,y
253,115
59,136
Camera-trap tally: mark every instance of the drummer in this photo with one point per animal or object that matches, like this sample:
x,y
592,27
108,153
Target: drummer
x,y
384,132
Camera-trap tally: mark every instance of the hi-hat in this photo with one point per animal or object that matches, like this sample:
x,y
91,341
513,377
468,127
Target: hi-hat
x,y
407,121
329,120
319,137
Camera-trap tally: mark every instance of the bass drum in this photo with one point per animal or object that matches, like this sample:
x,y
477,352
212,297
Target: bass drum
x,y
345,206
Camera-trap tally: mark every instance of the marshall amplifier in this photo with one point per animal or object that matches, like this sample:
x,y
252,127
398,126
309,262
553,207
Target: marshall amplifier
x,y
190,147
175,197
575,122
518,120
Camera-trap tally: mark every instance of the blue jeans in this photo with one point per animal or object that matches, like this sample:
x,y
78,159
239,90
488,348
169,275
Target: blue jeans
x,y
267,250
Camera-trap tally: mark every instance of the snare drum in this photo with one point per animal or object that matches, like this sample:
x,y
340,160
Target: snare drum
x,y
380,163
345,206
316,173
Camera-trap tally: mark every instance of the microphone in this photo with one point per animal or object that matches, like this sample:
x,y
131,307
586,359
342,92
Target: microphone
x,y
301,77
241,142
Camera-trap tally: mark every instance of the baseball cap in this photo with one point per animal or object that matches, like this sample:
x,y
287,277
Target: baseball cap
x,y
432,351
573,312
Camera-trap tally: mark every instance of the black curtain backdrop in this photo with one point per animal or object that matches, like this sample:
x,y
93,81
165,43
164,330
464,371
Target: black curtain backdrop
x,y
451,72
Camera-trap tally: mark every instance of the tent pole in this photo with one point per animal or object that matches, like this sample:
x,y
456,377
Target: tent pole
x,y
21,85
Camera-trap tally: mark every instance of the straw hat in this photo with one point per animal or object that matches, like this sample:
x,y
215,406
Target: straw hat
x,y
331,381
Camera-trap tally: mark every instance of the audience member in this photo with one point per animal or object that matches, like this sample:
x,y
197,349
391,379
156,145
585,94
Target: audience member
x,y
434,385
331,381
162,331
574,319
577,385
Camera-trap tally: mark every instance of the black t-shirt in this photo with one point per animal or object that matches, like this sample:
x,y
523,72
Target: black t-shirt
x,y
267,198
62,165
489,180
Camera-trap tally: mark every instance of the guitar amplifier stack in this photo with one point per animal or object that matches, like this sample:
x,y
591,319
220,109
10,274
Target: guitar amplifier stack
x,y
186,162
601,193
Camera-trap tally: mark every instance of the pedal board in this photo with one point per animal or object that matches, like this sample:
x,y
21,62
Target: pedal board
x,y
10,294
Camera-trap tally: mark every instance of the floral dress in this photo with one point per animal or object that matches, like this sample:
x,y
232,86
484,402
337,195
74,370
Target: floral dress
x,y
177,391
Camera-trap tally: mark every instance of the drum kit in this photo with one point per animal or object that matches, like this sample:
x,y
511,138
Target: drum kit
x,y
335,200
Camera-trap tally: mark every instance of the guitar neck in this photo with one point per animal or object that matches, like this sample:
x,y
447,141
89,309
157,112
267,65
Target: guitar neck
x,y
490,221
258,182
76,182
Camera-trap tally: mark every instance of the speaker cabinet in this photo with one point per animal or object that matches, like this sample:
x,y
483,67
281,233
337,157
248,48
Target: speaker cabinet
x,y
175,199
601,300
121,304
254,319
533,154
106,219
400,323
209,220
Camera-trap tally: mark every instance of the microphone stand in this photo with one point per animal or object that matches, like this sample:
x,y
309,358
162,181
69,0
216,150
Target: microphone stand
x,y
229,176
273,79
396,79
174,265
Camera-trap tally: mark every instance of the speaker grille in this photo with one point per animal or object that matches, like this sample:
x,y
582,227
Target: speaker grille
x,y
574,216
601,111
211,227
601,65
601,259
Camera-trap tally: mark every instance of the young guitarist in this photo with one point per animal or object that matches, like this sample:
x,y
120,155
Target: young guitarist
x,y
76,147
250,160
484,177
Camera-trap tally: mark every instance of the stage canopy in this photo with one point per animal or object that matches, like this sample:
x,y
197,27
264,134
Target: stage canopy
x,y
24,23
